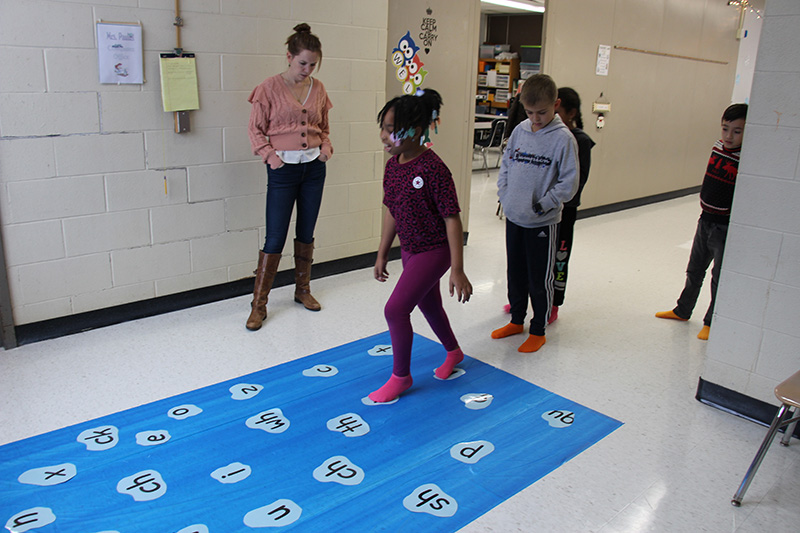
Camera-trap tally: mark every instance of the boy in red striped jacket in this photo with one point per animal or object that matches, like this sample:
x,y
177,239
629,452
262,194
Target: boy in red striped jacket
x,y
716,197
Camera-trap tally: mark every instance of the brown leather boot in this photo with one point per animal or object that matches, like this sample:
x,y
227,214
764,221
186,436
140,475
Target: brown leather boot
x,y
303,257
265,275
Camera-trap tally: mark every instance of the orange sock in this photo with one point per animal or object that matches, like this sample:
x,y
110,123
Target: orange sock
x,y
703,335
533,344
670,314
507,330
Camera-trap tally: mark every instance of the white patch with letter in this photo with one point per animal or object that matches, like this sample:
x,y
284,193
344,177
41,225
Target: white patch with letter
x,y
32,518
233,473
366,400
184,411
559,419
477,401
339,469
278,514
273,421
143,486
48,475
381,349
430,499
152,438
321,371
456,373
349,425
99,438
245,391
196,528
471,452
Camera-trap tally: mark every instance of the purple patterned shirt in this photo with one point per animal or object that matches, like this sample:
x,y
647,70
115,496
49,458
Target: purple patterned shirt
x,y
420,194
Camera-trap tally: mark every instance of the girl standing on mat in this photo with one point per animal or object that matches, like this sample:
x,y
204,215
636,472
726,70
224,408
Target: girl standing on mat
x,y
423,212
289,130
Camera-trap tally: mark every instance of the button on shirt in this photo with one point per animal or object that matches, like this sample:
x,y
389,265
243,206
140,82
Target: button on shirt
x,y
293,157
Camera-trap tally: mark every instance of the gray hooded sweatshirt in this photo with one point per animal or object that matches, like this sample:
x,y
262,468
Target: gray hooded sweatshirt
x,y
538,167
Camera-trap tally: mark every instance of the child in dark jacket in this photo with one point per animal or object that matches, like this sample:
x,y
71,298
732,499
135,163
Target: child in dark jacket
x,y
569,109
716,197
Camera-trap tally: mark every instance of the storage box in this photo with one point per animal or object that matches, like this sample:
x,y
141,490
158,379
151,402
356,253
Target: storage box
x,y
498,48
486,51
526,70
503,80
529,53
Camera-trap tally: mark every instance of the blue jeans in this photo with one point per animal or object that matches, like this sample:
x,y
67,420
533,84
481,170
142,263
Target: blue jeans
x,y
300,184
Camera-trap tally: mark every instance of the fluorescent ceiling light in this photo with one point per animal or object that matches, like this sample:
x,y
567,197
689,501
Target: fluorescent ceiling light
x,y
515,5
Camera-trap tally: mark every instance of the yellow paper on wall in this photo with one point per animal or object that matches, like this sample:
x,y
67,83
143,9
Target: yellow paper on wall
x,y
179,84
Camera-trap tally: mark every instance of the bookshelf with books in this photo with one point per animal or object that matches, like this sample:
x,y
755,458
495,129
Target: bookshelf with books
x,y
497,79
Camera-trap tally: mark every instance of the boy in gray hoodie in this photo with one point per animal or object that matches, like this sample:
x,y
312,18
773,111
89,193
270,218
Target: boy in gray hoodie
x,y
538,173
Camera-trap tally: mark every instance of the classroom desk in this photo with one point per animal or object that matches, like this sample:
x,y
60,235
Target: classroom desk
x,y
486,116
483,125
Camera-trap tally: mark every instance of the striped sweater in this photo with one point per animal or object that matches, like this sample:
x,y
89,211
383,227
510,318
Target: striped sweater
x,y
716,193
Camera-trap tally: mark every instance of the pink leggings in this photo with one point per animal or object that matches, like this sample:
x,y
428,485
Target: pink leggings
x,y
418,286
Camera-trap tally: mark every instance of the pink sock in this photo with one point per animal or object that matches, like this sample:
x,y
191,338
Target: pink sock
x,y
553,315
453,358
391,389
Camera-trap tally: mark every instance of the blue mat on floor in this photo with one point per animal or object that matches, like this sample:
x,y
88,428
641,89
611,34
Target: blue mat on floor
x,y
299,447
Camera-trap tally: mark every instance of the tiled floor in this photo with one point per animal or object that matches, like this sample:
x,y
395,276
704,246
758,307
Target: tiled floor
x,y
672,467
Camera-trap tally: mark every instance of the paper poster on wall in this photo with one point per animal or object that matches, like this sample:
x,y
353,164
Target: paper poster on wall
x,y
405,58
427,31
119,52
603,59
179,82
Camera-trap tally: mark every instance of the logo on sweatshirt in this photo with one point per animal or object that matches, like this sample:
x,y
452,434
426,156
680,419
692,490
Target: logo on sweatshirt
x,y
531,159
418,182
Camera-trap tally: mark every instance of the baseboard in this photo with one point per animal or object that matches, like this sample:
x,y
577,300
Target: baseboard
x,y
738,404
69,325
637,202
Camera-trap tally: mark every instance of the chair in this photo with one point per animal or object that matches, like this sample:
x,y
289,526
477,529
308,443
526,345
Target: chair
x,y
788,392
490,138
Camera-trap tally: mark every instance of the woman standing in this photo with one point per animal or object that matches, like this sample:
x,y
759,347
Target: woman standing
x,y
289,130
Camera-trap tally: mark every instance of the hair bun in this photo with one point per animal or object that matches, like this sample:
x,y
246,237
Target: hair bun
x,y
302,27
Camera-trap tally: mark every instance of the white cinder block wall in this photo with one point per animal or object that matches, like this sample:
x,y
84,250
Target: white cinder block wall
x,y
755,339
85,220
